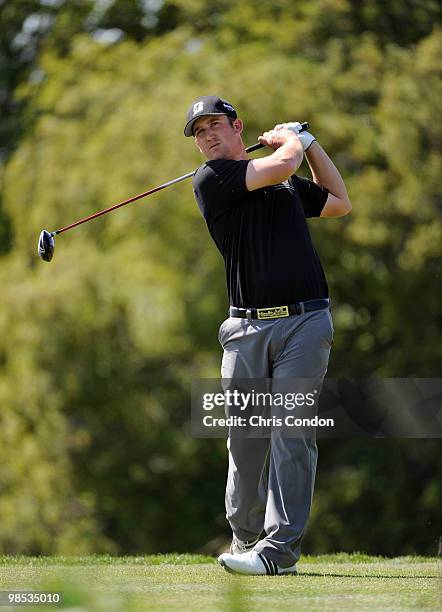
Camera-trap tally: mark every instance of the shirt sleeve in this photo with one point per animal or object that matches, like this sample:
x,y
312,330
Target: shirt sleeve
x,y
218,185
313,197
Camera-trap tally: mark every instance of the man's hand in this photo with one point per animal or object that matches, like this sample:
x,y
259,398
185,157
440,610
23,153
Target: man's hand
x,y
305,137
286,158
276,138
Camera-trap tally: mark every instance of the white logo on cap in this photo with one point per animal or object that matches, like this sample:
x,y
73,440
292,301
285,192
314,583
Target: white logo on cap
x,y
198,107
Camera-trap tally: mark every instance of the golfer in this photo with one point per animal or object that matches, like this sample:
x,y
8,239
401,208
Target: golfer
x,y
280,324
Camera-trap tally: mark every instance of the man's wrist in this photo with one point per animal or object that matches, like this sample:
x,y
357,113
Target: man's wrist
x,y
309,146
307,140
292,149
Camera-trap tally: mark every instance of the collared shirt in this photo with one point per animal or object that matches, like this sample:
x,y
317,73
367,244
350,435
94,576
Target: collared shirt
x,y
262,235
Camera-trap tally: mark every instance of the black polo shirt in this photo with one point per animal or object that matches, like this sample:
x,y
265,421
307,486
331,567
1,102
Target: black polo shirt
x,y
262,235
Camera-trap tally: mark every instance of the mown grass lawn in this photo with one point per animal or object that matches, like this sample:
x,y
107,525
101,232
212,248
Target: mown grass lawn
x,y
197,583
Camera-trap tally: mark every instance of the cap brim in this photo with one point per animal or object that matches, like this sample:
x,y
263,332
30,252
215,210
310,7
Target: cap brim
x,y
188,130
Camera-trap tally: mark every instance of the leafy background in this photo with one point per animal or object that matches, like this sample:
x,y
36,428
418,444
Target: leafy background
x,y
99,348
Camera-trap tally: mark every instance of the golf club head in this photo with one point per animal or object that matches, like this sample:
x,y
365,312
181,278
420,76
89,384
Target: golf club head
x,y
46,246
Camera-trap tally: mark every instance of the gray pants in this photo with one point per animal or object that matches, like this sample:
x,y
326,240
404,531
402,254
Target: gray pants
x,y
270,480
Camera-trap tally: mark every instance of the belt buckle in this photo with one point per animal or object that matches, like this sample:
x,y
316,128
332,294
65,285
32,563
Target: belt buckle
x,y
275,312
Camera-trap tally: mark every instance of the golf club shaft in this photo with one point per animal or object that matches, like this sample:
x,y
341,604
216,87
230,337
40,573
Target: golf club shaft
x,y
115,206
250,149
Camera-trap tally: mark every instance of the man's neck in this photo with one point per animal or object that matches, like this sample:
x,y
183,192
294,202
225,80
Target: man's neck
x,y
239,152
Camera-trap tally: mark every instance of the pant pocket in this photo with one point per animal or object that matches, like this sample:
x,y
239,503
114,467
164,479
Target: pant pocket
x,y
223,330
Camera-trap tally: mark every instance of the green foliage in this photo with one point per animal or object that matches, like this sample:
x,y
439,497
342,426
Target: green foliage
x,y
98,348
380,488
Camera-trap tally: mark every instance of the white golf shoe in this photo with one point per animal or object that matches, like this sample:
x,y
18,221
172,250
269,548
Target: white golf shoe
x,y
254,564
237,547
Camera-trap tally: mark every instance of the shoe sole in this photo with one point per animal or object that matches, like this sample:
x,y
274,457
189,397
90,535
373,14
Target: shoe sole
x,y
231,571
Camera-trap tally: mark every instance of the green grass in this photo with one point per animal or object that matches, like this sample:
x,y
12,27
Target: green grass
x,y
195,582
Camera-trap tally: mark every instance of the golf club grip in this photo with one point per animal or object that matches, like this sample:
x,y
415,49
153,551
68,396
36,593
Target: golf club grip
x,y
304,126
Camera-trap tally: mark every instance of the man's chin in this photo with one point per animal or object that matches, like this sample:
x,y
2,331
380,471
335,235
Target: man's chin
x,y
217,153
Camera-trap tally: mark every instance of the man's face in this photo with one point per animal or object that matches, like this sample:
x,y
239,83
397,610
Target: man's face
x,y
214,136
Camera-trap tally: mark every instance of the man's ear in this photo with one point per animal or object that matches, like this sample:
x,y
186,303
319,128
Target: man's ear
x,y
238,125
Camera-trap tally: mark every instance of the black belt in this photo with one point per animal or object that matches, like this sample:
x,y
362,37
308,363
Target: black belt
x,y
276,312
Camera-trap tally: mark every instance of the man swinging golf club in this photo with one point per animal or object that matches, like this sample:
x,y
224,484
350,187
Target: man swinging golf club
x,y
280,325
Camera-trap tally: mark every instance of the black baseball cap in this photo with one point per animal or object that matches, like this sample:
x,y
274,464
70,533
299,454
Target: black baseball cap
x,y
207,105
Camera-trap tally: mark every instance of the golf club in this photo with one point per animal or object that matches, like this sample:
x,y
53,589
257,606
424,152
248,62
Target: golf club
x,y
46,243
